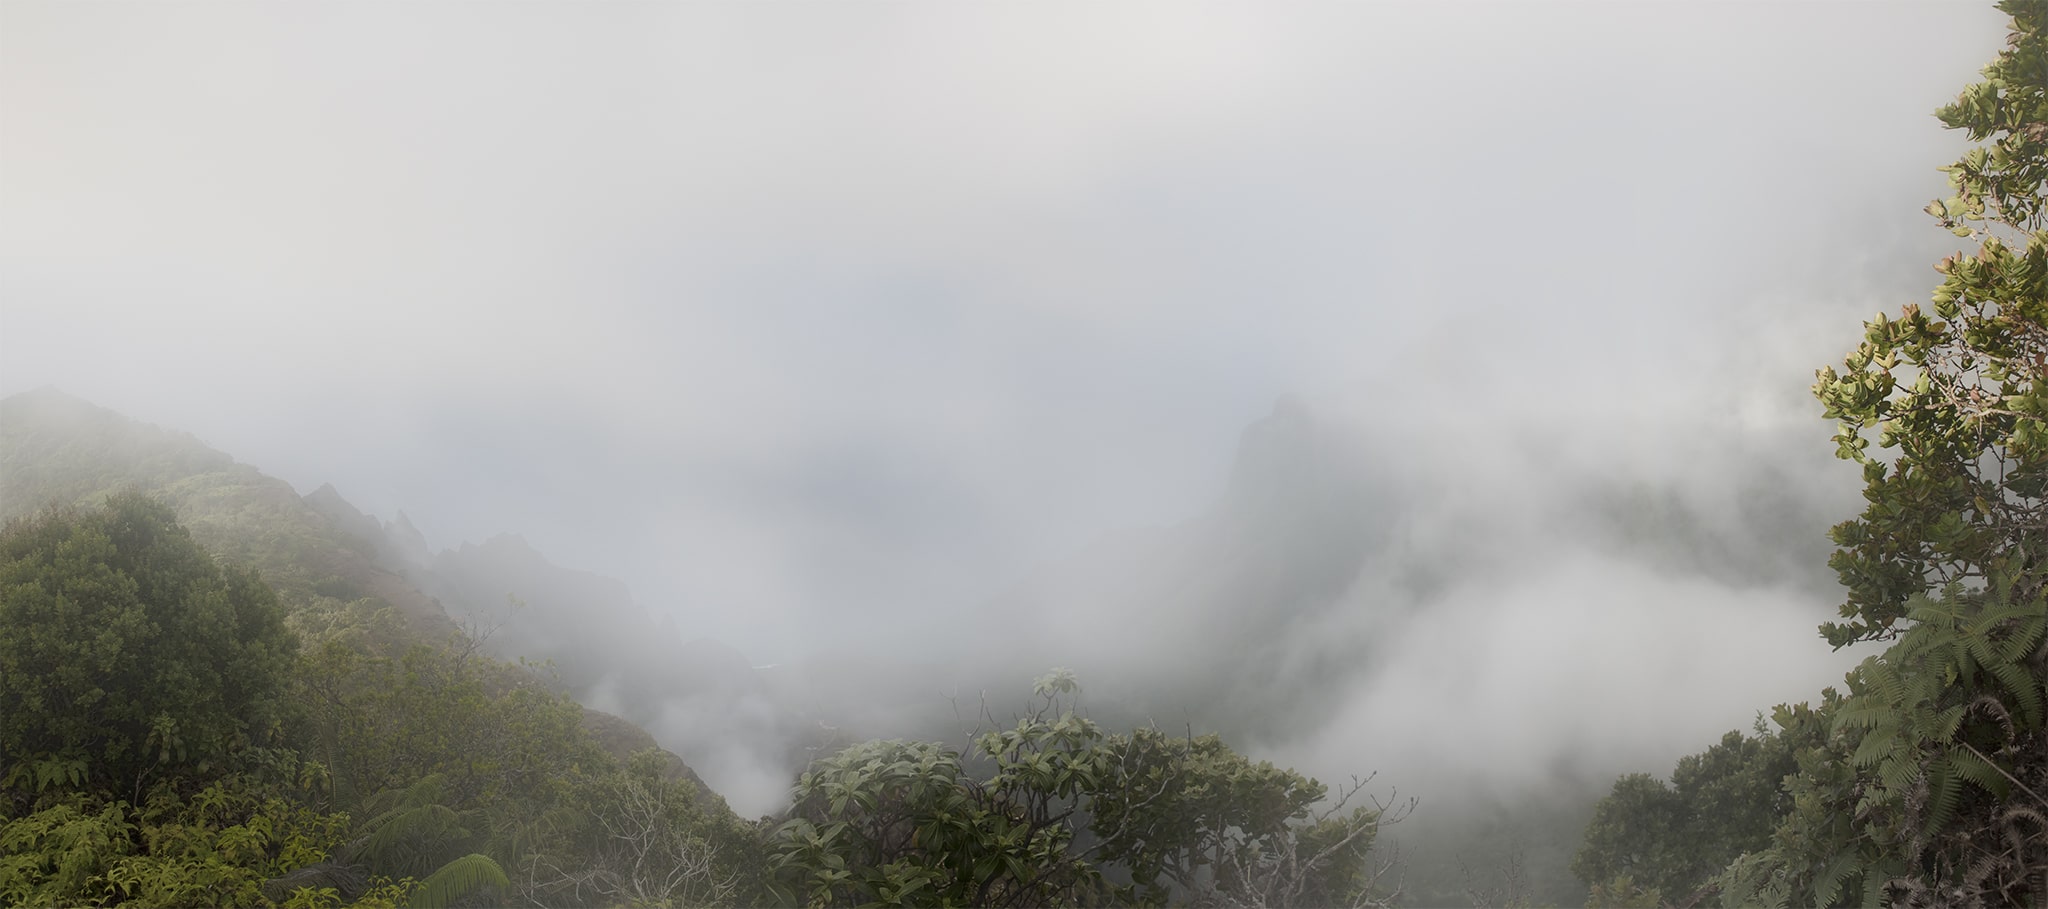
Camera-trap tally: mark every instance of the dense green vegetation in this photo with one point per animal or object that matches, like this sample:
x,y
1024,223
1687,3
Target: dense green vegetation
x,y
1926,782
128,654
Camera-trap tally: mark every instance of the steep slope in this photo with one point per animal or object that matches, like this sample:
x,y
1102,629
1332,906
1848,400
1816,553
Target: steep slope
x,y
57,450
700,698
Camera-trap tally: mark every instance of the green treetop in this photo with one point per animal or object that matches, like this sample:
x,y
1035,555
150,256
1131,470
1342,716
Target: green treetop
x,y
126,653
1954,398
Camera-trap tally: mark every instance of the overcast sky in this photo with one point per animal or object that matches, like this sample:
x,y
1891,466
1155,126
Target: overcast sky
x,y
803,318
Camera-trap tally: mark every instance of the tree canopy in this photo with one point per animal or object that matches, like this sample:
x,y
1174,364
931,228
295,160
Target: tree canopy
x,y
1954,400
126,652
1064,813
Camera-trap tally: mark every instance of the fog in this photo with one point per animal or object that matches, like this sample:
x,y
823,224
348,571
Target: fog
x,y
930,333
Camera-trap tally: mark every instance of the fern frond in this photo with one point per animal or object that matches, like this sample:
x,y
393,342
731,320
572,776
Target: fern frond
x,y
1881,746
1863,715
1978,772
1974,878
1926,611
2027,634
1884,679
2021,684
1754,879
1995,710
347,880
1828,884
1977,643
458,879
1897,772
426,790
1944,791
404,839
1945,722
2011,820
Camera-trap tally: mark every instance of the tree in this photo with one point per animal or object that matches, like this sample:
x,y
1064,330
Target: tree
x,y
1670,840
1955,400
1634,835
1063,804
634,836
1190,816
127,653
903,823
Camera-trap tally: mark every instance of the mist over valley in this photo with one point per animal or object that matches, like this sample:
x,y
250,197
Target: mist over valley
x,y
1419,395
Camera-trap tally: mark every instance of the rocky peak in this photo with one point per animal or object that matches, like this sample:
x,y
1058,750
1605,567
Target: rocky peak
x,y
407,543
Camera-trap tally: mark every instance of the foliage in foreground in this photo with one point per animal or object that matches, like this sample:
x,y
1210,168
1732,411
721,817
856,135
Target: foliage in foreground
x,y
1927,788
1651,841
1924,784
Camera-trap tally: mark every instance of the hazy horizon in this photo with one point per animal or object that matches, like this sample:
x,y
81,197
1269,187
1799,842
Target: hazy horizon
x,y
834,326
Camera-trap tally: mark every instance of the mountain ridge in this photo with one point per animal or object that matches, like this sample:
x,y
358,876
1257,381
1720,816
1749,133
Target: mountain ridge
x,y
61,451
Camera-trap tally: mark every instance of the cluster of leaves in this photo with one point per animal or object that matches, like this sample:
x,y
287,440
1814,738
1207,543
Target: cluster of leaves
x,y
214,847
1926,787
1062,814
1955,400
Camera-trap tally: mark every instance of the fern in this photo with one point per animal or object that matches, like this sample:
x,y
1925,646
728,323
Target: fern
x,y
345,881
1944,795
405,840
2026,635
1828,884
2022,687
411,831
1979,772
426,790
1897,772
457,879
